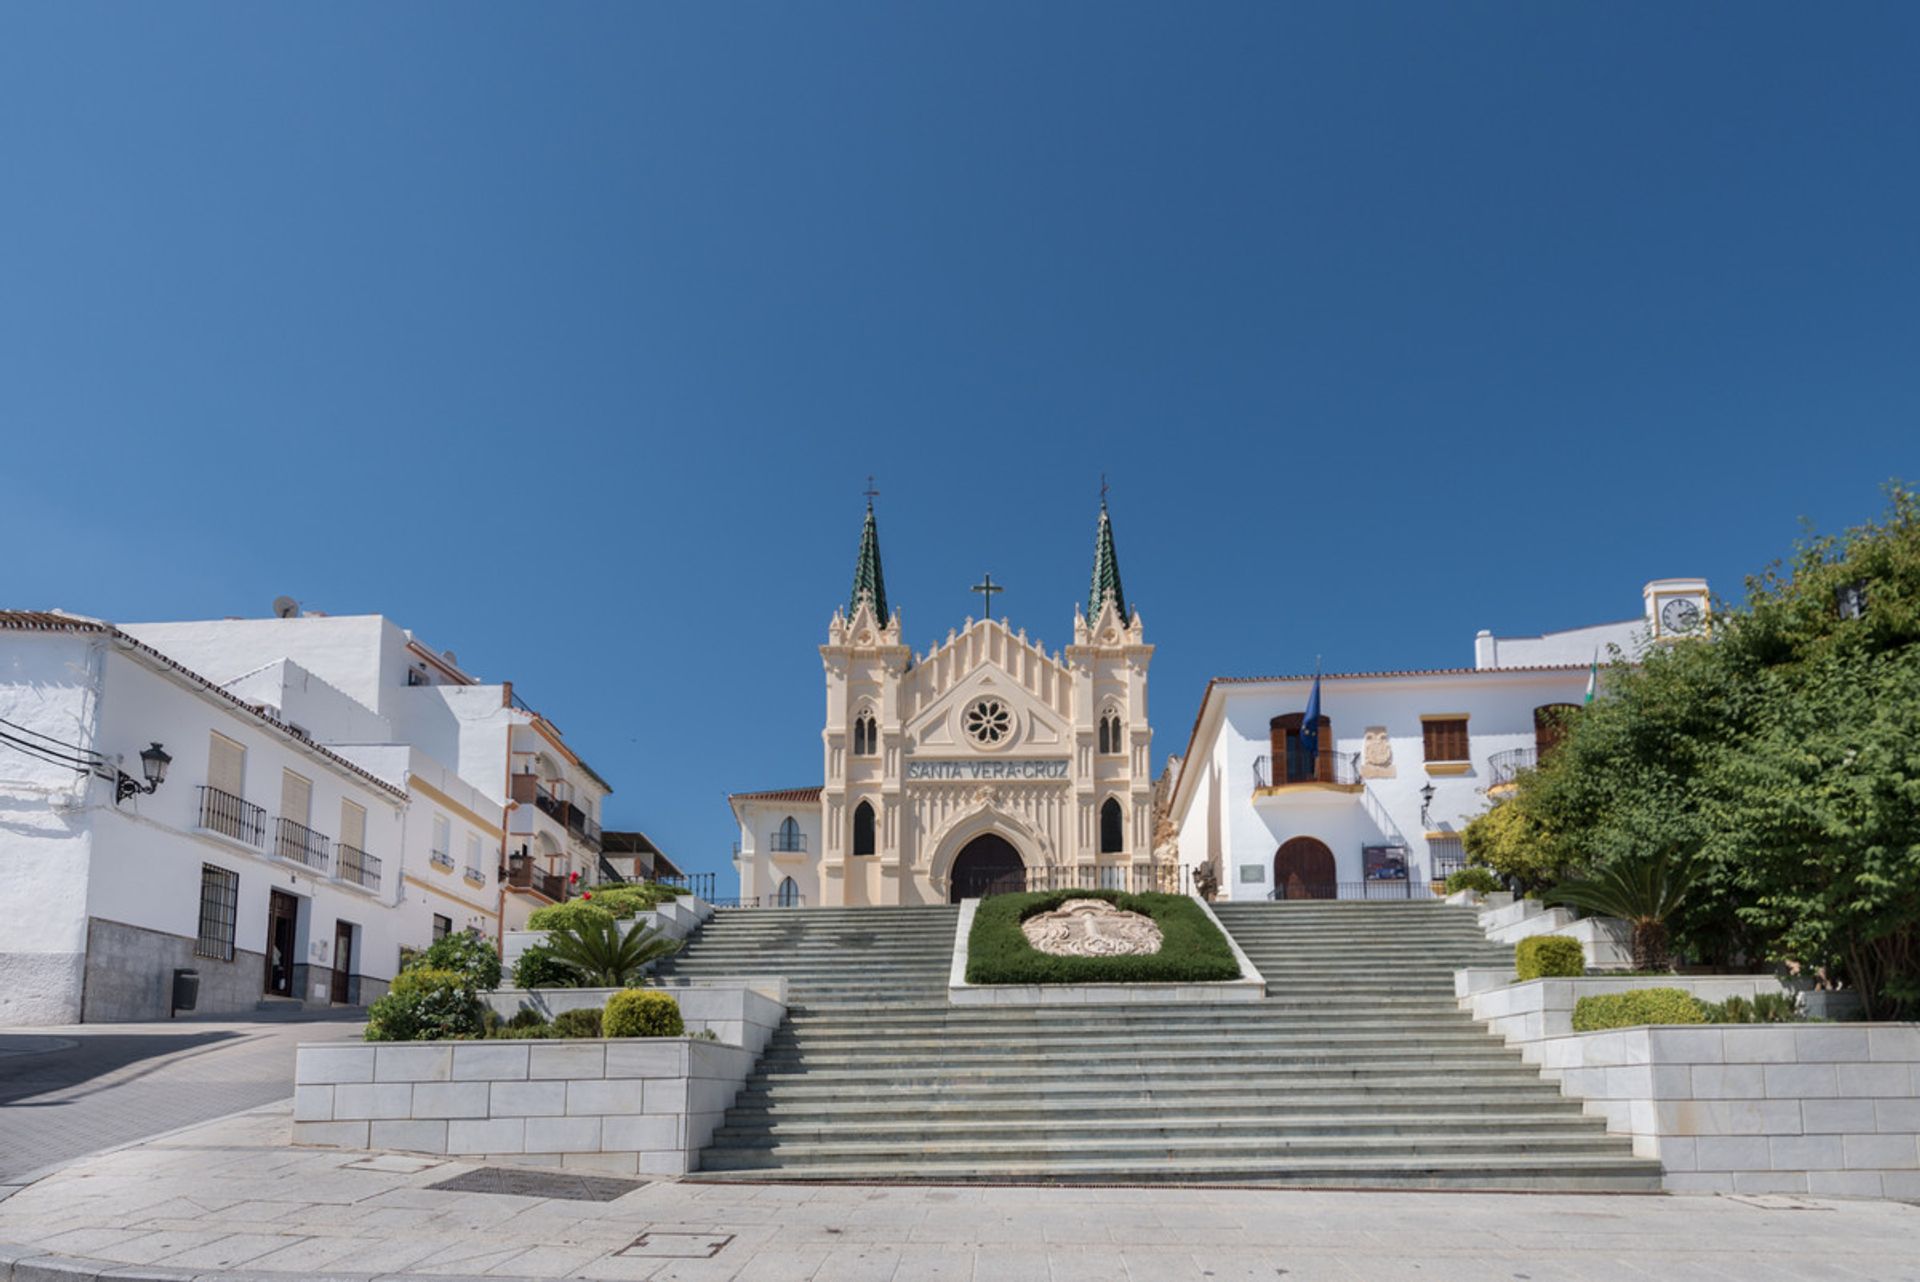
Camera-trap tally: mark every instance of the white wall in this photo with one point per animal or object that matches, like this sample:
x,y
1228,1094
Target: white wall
x,y
761,869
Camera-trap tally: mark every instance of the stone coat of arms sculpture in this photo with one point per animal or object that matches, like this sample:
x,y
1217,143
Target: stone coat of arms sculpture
x,y
1092,928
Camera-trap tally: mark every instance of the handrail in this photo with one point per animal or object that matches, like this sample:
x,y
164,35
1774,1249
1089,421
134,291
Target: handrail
x,y
232,816
294,840
357,866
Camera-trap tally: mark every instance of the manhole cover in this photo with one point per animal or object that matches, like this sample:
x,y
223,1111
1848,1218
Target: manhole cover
x,y
505,1179
676,1246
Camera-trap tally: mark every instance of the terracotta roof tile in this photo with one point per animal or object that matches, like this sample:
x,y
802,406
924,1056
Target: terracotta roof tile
x,y
780,794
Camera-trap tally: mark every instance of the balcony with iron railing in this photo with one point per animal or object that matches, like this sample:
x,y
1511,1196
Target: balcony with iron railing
x,y
1505,768
229,816
301,844
1326,770
528,788
356,867
522,874
441,859
787,843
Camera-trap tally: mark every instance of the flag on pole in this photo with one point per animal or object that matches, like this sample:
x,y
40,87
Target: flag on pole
x,y
1593,677
1310,727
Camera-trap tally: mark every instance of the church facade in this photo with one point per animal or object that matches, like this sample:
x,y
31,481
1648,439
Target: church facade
x,y
985,763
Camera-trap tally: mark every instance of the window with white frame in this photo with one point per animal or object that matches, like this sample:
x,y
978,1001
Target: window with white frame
x,y
474,869
442,853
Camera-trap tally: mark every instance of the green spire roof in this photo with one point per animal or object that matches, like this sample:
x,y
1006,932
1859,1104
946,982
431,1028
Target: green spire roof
x,y
1106,570
867,580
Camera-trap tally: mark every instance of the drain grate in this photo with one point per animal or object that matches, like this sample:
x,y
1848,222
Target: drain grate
x,y
572,1188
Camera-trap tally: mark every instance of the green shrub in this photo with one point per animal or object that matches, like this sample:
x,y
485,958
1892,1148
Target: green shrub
x,y
626,899
527,1017
1549,957
1475,878
642,1012
426,1003
506,1032
1764,1008
584,1022
1640,1006
572,913
537,967
1192,949
467,953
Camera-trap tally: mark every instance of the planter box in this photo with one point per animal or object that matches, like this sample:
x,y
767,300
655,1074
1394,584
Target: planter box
x,y
1250,987
1524,1013
676,919
743,1014
626,1105
1757,1108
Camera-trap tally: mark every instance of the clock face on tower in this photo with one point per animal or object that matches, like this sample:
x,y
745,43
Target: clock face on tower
x,y
1680,615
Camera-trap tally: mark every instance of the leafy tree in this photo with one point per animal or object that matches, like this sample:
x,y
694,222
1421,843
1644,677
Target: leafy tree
x,y
538,968
1775,760
468,953
601,955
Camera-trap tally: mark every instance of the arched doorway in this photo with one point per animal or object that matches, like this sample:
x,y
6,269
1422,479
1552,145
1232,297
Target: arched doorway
x,y
987,865
1303,869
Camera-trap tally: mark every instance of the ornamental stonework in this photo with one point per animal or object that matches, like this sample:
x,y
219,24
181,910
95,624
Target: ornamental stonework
x,y
1376,755
1092,928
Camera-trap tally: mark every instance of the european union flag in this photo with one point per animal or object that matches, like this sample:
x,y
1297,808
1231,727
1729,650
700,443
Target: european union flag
x,y
1310,726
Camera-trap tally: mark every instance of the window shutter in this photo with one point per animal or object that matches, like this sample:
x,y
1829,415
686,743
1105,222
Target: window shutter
x,y
226,765
296,798
353,825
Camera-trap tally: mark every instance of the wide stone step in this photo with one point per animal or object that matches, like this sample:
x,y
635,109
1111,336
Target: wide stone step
x,y
1512,1173
1096,1109
1425,1072
1279,1149
1295,1092
1099,1045
1018,1060
740,1133
1089,1029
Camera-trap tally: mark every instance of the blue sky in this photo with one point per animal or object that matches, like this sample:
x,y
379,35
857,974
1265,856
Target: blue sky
x,y
567,335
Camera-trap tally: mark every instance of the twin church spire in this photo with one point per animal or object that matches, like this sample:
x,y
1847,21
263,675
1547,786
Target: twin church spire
x,y
870,584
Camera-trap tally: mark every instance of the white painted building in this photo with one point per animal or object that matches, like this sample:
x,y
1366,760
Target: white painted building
x,y
509,814
983,762
265,862
1405,758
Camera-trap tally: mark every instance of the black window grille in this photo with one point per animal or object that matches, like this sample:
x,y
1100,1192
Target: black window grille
x,y
442,927
219,908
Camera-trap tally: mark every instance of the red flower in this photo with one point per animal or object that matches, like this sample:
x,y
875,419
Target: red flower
x,y
587,895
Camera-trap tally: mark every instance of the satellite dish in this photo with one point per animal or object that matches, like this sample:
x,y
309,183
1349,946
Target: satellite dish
x,y
285,607
448,656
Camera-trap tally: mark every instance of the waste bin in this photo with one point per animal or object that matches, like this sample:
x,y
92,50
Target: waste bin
x,y
186,990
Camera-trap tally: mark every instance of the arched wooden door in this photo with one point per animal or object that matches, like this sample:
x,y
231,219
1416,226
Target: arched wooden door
x,y
988,865
1303,869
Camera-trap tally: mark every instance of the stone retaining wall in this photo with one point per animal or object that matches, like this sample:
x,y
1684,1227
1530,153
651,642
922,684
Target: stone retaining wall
x,y
743,1013
623,1105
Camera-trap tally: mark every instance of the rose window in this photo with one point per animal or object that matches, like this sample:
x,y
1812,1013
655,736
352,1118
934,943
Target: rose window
x,y
988,722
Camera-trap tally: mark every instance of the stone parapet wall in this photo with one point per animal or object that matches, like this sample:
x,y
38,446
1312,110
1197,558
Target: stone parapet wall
x,y
1524,1013
626,1105
743,1014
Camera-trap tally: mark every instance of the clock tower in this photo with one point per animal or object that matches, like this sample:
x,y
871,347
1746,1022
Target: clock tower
x,y
1676,608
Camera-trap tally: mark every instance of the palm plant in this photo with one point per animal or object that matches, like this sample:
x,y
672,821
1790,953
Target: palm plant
x,y
1643,890
601,954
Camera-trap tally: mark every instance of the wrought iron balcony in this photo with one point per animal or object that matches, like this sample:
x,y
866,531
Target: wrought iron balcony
x,y
231,816
358,867
1504,768
301,844
523,874
1341,769
441,859
783,843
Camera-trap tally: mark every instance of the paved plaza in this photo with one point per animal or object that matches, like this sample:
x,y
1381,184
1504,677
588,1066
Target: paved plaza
x,y
230,1195
67,1092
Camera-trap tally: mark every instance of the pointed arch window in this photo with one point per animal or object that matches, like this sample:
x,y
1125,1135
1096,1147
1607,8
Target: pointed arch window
x,y
1112,739
1113,837
788,837
863,843
866,735
788,896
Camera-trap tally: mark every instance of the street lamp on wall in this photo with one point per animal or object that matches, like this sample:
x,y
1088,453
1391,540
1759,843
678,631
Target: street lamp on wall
x,y
153,764
1426,801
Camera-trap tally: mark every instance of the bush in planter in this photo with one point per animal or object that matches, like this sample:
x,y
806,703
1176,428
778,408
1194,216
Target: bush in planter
x,y
1549,957
1765,1008
627,900
1479,880
643,1012
426,1003
467,953
584,1022
537,967
600,954
1192,949
573,913
1640,1006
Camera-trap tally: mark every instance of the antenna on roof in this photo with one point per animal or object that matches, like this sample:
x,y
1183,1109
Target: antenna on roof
x,y
285,607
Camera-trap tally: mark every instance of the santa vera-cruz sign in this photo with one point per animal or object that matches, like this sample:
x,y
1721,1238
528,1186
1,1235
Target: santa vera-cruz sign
x,y
981,769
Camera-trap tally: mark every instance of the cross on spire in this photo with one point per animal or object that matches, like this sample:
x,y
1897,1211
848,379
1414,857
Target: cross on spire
x,y
986,588
1103,489
870,491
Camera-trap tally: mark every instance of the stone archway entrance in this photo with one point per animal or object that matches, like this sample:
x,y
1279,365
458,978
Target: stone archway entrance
x,y
987,865
1303,869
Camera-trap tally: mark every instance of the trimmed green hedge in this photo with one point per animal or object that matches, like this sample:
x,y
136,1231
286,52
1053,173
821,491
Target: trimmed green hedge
x,y
1549,957
1475,878
1192,949
573,912
642,1012
1640,1006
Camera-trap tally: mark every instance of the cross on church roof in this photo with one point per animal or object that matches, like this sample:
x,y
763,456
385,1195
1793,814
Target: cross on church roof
x,y
986,588
870,491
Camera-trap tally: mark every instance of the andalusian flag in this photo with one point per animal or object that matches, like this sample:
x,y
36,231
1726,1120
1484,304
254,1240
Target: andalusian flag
x,y
1593,677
